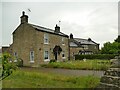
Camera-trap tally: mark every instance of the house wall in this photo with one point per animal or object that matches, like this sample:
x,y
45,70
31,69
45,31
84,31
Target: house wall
x,y
92,47
5,50
73,51
26,39
53,41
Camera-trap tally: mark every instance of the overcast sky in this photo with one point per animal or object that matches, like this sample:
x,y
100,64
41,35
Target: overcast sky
x,y
95,20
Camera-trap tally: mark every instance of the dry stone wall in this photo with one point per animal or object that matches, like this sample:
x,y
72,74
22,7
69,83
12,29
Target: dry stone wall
x,y
111,78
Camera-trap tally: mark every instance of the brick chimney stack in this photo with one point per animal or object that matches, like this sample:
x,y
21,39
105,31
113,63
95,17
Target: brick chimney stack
x,y
24,18
57,29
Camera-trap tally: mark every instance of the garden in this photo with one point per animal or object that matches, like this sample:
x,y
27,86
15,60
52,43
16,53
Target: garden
x,y
15,77
28,79
94,64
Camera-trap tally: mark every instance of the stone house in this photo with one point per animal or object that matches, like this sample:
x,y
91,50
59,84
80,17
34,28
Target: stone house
x,y
36,44
82,46
5,49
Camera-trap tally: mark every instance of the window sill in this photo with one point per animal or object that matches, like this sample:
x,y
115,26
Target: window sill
x,y
46,60
63,57
15,60
31,61
46,43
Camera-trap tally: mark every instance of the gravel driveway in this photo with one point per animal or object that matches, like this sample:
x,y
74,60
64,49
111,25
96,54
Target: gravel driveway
x,y
66,71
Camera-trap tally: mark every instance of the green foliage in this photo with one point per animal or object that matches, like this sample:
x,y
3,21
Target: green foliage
x,y
95,56
118,39
52,60
81,65
37,79
111,48
7,65
19,62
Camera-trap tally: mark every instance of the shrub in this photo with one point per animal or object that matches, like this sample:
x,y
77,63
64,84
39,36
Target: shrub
x,y
52,60
7,65
19,62
95,56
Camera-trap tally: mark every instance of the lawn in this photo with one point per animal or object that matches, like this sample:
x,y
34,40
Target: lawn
x,y
81,65
34,79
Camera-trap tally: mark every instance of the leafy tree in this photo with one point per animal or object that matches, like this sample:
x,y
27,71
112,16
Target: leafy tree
x,y
7,65
111,48
118,39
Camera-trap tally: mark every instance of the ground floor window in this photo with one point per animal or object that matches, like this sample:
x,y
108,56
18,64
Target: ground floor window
x,y
31,56
15,56
63,55
46,55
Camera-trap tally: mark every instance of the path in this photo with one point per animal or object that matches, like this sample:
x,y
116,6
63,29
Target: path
x,y
66,71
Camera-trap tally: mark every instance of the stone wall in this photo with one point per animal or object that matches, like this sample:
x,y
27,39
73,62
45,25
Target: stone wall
x,y
110,80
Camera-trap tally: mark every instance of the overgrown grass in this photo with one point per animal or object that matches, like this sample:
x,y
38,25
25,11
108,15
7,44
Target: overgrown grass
x,y
81,65
27,79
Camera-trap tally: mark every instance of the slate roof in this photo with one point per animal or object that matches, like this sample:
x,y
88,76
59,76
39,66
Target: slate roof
x,y
40,28
78,42
84,41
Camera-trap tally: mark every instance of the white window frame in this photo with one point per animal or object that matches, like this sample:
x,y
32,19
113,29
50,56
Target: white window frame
x,y
95,47
64,55
46,38
15,55
32,57
85,46
47,55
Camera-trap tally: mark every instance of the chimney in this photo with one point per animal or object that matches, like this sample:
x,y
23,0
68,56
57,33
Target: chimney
x,y
89,39
57,29
71,36
24,18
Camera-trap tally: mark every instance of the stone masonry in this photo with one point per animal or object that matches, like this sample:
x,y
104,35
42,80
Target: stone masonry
x,y
111,78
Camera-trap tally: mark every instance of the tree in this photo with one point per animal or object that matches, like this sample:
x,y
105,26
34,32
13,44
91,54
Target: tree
x,y
7,65
118,39
111,48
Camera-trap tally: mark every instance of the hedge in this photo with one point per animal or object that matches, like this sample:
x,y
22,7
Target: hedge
x,y
95,56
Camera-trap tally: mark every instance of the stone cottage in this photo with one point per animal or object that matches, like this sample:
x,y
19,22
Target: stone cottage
x,y
82,46
36,44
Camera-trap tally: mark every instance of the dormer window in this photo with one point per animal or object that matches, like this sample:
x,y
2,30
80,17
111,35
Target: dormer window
x,y
46,39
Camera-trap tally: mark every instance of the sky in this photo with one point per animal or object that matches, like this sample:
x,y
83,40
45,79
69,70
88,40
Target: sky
x,y
95,20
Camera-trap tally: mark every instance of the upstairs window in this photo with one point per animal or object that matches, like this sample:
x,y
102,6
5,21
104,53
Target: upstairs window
x,y
31,56
85,46
63,43
95,47
46,39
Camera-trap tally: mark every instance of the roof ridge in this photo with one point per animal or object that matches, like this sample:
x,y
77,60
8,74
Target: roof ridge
x,y
41,26
81,38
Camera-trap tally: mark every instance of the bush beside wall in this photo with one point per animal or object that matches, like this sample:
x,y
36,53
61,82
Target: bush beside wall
x,y
95,56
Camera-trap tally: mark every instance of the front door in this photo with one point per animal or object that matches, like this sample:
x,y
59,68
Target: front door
x,y
55,55
57,50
